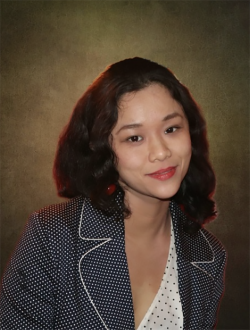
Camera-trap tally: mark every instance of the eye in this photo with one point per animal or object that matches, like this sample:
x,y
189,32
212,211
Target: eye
x,y
171,129
135,138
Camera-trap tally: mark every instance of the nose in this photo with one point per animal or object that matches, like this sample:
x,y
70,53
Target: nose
x,y
158,150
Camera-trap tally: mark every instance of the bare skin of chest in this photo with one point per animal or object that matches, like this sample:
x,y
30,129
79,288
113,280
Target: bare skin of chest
x,y
146,268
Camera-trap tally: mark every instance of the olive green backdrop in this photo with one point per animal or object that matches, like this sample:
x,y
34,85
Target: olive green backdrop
x,y
52,50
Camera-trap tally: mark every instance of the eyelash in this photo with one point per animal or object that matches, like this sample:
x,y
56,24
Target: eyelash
x,y
174,128
134,136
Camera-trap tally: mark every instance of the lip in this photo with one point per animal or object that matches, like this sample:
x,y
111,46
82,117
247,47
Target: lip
x,y
163,174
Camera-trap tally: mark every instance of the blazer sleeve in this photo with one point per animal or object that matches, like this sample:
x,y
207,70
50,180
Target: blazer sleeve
x,y
27,294
218,291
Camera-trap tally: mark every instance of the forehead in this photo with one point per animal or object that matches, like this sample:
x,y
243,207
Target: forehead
x,y
152,100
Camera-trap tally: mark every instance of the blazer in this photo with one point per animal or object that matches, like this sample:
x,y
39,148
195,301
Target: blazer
x,y
69,271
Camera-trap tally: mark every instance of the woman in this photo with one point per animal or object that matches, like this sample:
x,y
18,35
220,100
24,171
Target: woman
x,y
128,250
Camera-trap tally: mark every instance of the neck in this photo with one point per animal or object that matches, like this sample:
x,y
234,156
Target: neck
x,y
149,220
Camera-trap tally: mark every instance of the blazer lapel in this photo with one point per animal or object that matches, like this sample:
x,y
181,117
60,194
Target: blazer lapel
x,y
103,268
104,272
195,260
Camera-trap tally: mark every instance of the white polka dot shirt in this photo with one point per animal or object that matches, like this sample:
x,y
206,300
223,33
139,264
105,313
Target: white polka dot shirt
x,y
165,311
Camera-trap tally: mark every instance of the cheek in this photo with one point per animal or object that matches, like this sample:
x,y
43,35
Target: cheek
x,y
128,163
186,152
130,159
187,145
188,156
189,150
130,166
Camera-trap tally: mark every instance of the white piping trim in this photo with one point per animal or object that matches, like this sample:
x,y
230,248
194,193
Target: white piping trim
x,y
83,256
80,225
85,288
194,263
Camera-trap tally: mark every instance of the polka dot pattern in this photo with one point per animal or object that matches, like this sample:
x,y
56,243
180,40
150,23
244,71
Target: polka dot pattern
x,y
201,261
69,271
165,311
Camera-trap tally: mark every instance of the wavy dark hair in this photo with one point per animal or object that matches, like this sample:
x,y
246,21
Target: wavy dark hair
x,y
85,163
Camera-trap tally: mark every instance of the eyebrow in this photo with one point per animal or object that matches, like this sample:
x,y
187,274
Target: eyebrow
x,y
136,125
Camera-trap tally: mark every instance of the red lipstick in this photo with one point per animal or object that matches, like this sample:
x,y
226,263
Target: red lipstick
x,y
163,174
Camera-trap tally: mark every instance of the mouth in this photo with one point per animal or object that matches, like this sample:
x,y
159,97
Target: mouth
x,y
163,174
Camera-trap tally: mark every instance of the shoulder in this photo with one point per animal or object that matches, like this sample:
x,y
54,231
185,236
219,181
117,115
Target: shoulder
x,y
55,223
68,213
50,233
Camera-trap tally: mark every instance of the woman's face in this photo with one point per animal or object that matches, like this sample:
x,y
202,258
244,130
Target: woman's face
x,y
152,143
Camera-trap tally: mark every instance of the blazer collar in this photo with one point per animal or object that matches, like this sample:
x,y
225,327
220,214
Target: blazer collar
x,y
96,225
191,247
103,265
195,262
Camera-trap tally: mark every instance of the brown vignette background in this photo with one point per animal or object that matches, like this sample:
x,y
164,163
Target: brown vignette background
x,y
51,52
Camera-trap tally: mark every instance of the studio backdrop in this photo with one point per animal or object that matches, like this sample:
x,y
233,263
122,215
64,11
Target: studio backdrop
x,y
52,51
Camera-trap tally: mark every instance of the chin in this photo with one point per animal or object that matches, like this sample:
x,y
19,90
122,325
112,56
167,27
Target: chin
x,y
160,192
166,194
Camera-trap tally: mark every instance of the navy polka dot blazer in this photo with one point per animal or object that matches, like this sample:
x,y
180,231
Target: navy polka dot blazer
x,y
69,271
